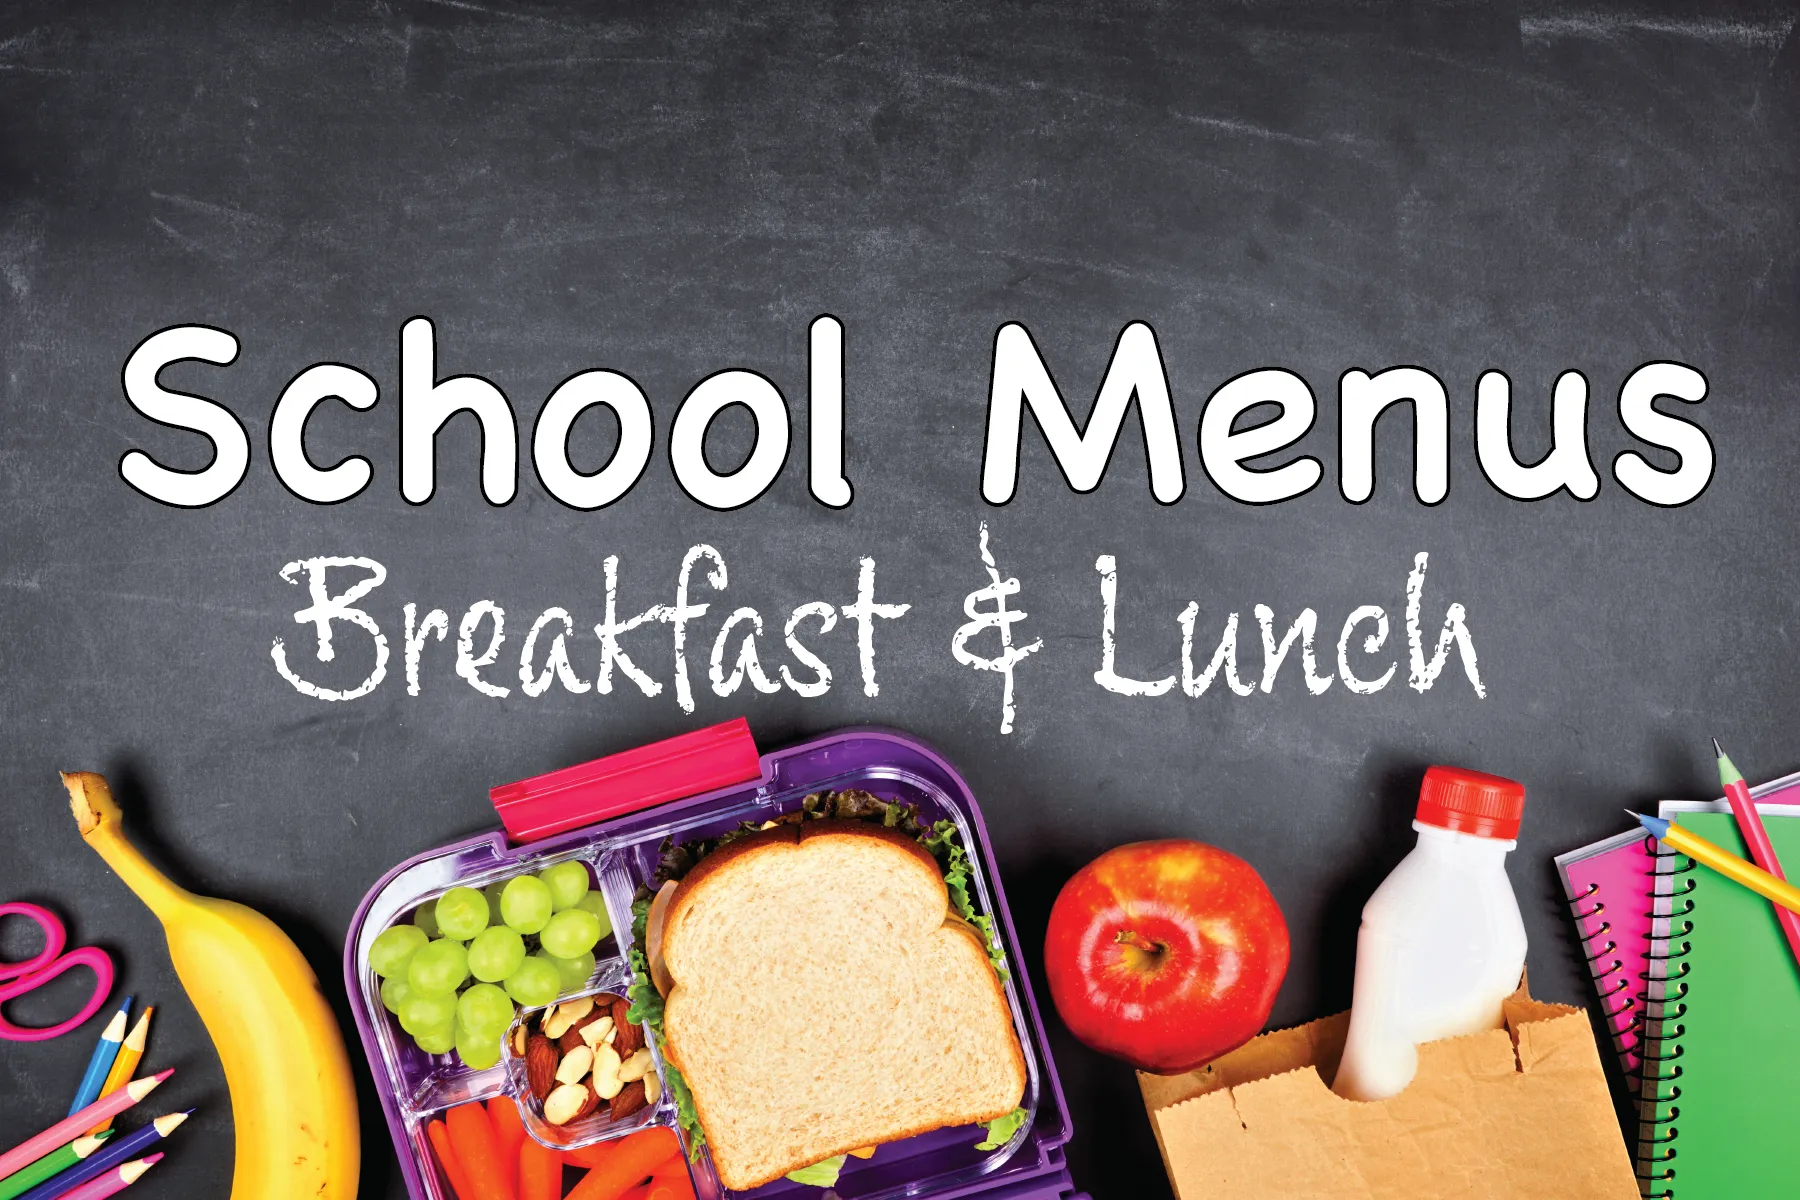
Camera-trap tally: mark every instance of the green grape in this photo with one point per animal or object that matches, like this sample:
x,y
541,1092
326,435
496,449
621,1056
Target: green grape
x,y
426,919
535,983
479,1051
574,972
496,953
433,1010
462,913
438,967
595,903
393,949
485,1008
492,892
571,932
437,1041
525,905
393,994
568,883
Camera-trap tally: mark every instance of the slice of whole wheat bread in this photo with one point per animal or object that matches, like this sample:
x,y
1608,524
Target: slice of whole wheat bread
x,y
825,998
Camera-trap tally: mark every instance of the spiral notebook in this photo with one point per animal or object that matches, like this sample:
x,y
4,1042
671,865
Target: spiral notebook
x,y
1611,889
1721,1053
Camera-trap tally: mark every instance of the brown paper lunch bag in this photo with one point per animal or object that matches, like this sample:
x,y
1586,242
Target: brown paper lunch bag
x,y
1522,1111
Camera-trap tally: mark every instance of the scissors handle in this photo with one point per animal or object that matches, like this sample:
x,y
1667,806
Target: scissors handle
x,y
17,978
54,939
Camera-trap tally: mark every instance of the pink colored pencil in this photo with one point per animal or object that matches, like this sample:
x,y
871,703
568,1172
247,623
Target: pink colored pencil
x,y
1762,851
73,1126
114,1181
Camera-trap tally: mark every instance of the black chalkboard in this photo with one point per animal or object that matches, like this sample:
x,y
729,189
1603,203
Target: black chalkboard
x,y
670,190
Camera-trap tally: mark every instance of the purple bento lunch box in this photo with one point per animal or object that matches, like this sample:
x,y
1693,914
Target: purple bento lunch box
x,y
613,815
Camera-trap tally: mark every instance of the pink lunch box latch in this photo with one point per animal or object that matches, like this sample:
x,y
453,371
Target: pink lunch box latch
x,y
672,769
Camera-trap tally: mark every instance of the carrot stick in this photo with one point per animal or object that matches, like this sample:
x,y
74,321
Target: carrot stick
x,y
492,1177
670,1181
632,1158
446,1153
509,1129
640,1192
601,1152
540,1172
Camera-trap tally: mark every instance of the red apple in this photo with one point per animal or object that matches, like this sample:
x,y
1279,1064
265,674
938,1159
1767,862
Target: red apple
x,y
1166,954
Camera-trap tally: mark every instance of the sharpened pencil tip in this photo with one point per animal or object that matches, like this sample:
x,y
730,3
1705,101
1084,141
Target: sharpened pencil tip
x,y
1718,750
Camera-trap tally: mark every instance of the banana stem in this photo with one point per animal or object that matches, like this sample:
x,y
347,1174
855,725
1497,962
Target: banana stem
x,y
99,819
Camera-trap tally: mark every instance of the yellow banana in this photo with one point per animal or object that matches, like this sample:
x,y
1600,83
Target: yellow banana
x,y
292,1098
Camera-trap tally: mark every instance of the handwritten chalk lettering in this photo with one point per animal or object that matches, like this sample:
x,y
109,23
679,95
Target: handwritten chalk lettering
x,y
820,683
327,609
556,660
1106,676
549,653
1357,676
1001,620
748,664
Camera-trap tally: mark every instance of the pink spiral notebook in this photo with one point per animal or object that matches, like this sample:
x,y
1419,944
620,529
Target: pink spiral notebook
x,y
1611,889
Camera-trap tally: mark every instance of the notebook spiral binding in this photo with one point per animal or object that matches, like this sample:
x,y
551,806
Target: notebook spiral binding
x,y
1616,992
1622,993
1666,986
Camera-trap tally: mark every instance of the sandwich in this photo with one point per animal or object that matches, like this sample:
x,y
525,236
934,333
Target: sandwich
x,y
820,985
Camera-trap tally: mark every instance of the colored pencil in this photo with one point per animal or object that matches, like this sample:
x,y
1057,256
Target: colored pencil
x,y
113,1182
127,1148
53,1163
1723,861
102,1061
70,1128
1762,852
126,1064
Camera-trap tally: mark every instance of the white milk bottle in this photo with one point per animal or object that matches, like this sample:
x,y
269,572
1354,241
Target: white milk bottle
x,y
1442,943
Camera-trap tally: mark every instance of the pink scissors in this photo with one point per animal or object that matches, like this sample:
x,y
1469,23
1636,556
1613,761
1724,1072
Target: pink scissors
x,y
17,978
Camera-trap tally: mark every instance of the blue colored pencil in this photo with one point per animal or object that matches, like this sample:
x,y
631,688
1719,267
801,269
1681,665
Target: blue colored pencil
x,y
107,1159
102,1062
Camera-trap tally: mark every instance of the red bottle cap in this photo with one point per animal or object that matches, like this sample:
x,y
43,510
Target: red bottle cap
x,y
1471,802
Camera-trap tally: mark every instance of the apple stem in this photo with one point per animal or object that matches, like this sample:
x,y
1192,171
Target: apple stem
x,y
1138,941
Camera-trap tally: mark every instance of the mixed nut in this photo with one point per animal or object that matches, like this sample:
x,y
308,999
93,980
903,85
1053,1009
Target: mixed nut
x,y
582,1052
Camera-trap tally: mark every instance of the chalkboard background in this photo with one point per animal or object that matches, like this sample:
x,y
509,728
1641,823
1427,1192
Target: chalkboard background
x,y
670,190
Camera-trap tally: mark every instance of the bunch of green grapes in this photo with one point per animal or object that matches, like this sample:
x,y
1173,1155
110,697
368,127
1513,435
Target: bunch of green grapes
x,y
454,978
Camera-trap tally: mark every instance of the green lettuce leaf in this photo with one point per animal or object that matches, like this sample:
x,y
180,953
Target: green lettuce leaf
x,y
647,1008
820,1174
1001,1129
947,848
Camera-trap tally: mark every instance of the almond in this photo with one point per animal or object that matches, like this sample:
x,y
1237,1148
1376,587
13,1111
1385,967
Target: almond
x,y
558,1020
652,1087
630,1098
630,1039
519,1038
595,1033
570,1102
574,1065
635,1067
577,1035
606,1073
541,1060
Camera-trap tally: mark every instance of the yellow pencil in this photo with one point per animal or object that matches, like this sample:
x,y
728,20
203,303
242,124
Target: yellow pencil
x,y
129,1055
1779,891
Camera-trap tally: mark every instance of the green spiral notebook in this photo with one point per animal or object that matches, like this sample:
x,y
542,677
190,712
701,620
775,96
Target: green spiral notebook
x,y
1722,1075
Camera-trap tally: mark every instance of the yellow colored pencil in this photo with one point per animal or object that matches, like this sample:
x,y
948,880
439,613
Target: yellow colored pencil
x,y
127,1062
1778,891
